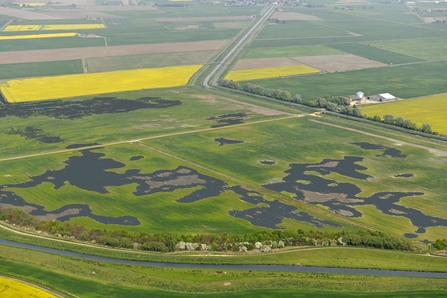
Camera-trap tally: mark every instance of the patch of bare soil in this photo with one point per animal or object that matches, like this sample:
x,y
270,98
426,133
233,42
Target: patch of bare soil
x,y
71,211
263,62
26,14
180,181
394,211
329,164
345,213
114,51
342,62
294,16
25,208
316,197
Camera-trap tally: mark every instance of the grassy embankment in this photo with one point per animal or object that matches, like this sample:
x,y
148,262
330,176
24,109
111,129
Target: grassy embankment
x,y
68,275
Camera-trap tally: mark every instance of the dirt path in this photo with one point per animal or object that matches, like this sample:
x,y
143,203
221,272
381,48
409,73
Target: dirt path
x,y
431,150
148,138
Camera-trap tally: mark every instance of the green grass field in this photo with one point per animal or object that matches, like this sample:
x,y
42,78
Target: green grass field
x,y
282,141
148,60
72,276
36,69
405,81
49,43
434,48
289,51
192,114
374,53
183,135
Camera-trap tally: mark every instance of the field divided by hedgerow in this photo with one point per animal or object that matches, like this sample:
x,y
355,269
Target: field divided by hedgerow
x,y
404,81
428,110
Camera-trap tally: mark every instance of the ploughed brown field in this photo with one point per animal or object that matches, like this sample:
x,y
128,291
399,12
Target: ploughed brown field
x,y
112,51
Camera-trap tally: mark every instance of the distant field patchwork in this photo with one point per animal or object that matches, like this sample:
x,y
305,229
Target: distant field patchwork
x,y
431,110
269,72
36,36
45,88
338,62
55,27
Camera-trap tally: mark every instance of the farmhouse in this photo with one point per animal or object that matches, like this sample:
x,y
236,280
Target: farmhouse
x,y
384,97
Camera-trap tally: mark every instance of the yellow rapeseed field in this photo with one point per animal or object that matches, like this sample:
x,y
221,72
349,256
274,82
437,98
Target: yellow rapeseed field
x,y
430,110
28,36
10,288
12,28
45,88
73,26
269,72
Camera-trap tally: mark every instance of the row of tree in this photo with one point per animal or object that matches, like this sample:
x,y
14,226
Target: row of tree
x,y
339,104
164,242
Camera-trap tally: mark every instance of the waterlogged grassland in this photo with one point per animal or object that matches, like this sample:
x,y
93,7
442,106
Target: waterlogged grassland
x,y
404,81
287,141
45,88
69,276
157,212
419,110
192,114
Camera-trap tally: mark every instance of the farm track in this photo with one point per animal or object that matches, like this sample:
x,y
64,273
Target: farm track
x,y
148,138
431,150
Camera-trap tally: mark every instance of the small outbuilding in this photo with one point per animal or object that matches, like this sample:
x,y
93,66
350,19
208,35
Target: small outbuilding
x,y
358,96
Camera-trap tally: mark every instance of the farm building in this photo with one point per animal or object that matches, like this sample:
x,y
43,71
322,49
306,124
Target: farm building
x,y
384,97
358,96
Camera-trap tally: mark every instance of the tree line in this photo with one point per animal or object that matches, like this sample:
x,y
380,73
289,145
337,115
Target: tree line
x,y
166,242
338,104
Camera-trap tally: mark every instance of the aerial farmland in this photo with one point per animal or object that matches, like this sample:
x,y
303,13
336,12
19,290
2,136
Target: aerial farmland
x,y
241,140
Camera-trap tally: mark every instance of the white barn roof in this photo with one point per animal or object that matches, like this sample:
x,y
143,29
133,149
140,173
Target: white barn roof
x,y
387,96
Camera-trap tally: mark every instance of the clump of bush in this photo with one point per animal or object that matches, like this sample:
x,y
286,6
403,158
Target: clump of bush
x,y
166,242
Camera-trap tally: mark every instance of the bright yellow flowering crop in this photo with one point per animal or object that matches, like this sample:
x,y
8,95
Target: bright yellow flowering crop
x,y
70,34
428,110
73,26
269,72
12,28
10,288
44,88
